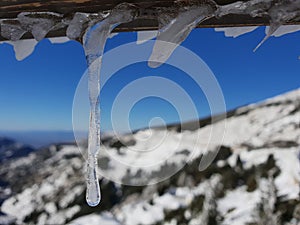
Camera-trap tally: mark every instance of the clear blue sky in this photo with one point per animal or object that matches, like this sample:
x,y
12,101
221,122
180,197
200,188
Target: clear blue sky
x,y
37,93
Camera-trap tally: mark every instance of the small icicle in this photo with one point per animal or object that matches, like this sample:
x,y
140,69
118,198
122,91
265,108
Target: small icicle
x,y
11,30
94,42
236,31
279,14
23,48
39,24
269,33
176,31
144,36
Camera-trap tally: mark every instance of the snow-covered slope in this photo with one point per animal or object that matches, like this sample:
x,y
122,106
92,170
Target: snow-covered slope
x,y
253,180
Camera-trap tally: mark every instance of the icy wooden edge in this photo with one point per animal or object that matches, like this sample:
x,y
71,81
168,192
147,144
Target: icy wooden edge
x,y
147,19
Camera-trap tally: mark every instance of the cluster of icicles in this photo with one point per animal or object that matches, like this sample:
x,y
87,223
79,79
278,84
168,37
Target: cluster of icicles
x,y
175,24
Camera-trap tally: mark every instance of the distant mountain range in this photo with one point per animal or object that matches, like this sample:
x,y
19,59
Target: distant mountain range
x,y
10,149
39,139
254,179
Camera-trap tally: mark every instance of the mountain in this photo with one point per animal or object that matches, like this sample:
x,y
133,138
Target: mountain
x,y
39,139
10,149
254,178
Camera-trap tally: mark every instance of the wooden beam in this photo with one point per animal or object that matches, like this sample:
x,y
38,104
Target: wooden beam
x,y
11,8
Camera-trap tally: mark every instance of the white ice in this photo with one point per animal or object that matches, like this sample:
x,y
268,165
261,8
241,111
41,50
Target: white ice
x,y
283,30
144,36
59,40
174,33
236,31
39,24
76,25
22,48
11,30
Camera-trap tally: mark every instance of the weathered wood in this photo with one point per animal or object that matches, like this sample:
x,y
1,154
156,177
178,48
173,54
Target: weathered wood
x,y
11,8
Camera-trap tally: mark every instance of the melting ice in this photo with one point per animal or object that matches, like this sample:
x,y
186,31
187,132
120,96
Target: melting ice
x,y
176,31
39,24
94,42
98,27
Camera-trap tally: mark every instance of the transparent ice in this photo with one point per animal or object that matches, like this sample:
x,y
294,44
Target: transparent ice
x,y
236,31
144,36
94,42
176,31
23,48
38,24
11,30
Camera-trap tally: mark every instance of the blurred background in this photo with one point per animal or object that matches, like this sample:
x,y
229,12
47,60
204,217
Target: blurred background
x,y
254,178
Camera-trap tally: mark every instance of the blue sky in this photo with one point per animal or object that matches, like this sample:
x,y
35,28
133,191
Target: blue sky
x,y
37,93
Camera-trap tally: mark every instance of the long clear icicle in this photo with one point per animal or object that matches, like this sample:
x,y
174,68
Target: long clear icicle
x,y
94,42
176,31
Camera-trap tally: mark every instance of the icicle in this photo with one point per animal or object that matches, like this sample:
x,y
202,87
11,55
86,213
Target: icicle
x,y
269,33
11,30
39,24
286,29
175,32
59,40
23,48
236,31
144,36
94,42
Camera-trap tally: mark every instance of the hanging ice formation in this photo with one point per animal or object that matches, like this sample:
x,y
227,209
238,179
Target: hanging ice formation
x,y
279,12
93,30
94,43
177,29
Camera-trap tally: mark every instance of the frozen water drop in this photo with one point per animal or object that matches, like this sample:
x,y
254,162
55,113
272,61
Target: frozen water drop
x,y
93,195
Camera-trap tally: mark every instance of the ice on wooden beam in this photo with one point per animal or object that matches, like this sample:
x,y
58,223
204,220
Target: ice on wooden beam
x,y
39,24
94,42
177,30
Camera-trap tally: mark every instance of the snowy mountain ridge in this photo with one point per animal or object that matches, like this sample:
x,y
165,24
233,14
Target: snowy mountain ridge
x,y
254,178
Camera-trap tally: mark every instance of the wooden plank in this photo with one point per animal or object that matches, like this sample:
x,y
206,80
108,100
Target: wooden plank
x,y
11,8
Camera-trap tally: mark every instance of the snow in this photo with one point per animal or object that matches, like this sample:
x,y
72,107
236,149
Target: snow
x,y
143,213
105,218
288,181
251,134
238,205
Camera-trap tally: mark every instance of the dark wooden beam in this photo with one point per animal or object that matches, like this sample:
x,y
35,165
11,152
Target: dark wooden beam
x,y
11,8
